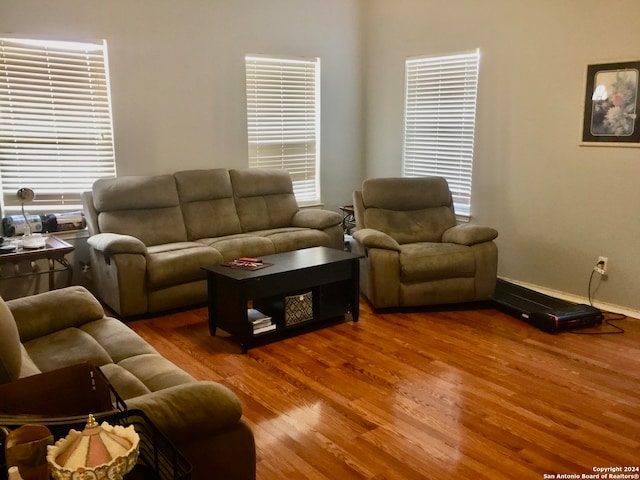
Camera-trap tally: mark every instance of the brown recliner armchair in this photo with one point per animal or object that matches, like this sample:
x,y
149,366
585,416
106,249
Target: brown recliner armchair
x,y
415,253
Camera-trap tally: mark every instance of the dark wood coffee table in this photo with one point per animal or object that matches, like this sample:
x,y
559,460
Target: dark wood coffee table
x,y
330,275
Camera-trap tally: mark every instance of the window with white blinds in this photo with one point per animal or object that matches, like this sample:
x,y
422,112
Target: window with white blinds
x,y
440,116
283,119
56,134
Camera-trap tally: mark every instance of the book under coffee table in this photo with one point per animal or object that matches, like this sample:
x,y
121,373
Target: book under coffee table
x,y
325,280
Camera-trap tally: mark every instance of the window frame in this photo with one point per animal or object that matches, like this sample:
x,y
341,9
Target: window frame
x,y
283,119
440,120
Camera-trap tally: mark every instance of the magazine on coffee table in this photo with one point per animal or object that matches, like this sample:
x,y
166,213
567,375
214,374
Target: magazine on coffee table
x,y
246,263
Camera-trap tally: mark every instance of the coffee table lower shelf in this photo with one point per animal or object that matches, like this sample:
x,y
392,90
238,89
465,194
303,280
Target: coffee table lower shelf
x,y
282,332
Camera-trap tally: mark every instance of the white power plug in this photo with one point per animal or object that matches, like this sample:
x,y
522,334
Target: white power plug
x,y
602,265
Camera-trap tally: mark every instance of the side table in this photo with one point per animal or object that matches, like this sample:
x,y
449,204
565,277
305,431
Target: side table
x,y
54,252
62,399
158,458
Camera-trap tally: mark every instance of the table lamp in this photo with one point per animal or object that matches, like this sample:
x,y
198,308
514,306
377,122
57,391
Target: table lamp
x,y
99,452
29,240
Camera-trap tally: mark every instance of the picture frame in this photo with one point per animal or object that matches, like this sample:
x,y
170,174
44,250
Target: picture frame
x,y
612,105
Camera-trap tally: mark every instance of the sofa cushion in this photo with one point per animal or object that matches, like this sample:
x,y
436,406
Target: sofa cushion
x,y
289,239
410,226
64,348
117,339
145,207
435,261
264,198
155,371
243,245
151,226
10,346
123,381
207,203
176,263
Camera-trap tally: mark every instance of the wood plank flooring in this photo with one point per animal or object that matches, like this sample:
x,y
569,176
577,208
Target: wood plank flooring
x,y
431,394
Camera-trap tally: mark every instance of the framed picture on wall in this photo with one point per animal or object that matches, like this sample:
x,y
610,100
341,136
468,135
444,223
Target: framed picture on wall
x,y
612,105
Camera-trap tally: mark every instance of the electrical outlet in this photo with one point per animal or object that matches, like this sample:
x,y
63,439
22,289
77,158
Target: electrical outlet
x,y
602,265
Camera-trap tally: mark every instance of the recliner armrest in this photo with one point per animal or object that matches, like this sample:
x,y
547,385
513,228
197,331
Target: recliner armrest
x,y
315,218
112,243
469,234
371,238
191,410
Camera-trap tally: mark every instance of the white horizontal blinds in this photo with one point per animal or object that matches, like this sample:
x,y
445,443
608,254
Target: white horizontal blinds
x,y
56,134
440,113
283,119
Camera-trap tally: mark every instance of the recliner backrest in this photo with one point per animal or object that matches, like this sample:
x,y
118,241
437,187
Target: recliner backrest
x,y
264,198
409,209
208,207
145,207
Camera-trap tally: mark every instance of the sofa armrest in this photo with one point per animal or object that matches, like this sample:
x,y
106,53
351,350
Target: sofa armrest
x,y
315,218
469,234
190,410
48,312
371,238
112,243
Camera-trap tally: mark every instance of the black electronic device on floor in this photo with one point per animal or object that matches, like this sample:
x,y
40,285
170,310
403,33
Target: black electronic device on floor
x,y
547,313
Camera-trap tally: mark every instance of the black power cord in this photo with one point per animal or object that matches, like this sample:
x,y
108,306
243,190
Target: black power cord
x,y
606,320
590,279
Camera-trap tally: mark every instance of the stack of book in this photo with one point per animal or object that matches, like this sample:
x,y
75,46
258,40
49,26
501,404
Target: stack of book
x,y
261,322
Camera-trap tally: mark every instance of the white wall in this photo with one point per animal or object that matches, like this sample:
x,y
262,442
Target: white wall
x,y
177,74
557,205
177,81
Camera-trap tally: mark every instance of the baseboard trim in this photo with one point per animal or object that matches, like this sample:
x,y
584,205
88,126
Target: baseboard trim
x,y
607,307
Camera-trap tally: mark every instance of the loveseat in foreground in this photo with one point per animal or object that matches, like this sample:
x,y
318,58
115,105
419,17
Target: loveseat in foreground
x,y
68,326
149,235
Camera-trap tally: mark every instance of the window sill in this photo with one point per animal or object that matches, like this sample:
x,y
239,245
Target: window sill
x,y
463,218
71,234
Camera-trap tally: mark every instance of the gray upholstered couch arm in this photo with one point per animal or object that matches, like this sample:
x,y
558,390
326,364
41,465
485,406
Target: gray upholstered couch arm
x,y
315,218
371,238
112,243
119,269
469,234
48,312
191,410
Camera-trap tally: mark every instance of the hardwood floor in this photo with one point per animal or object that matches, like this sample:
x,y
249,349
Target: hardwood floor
x,y
463,394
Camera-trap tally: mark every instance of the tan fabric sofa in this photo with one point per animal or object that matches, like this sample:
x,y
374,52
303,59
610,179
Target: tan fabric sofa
x,y
415,253
150,235
66,327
